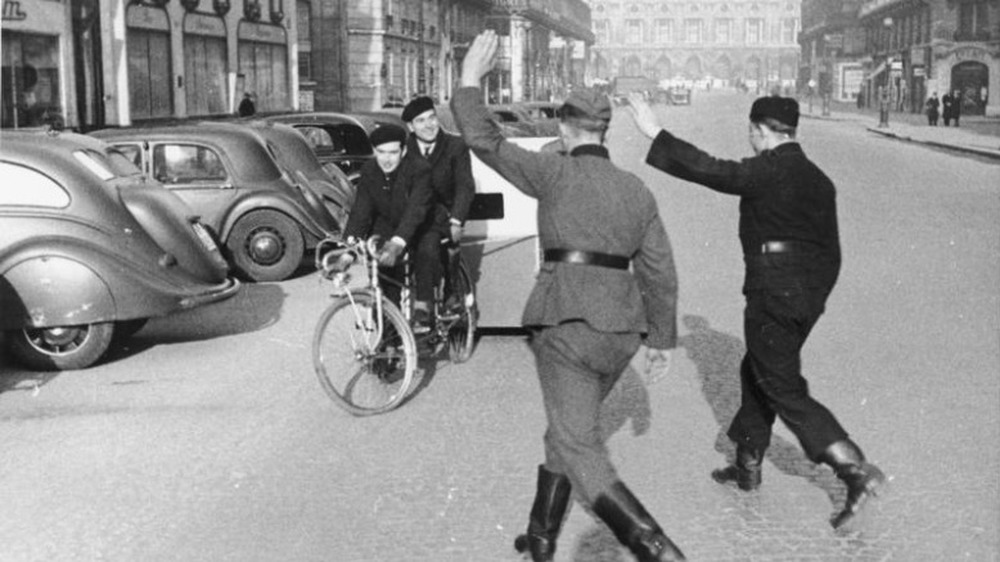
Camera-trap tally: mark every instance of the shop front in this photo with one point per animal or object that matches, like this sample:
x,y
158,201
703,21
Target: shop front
x,y
37,64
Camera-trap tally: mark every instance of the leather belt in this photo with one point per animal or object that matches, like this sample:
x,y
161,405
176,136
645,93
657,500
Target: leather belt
x,y
786,247
587,258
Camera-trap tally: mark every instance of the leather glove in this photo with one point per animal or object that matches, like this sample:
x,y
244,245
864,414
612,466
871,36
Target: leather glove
x,y
456,232
390,253
657,365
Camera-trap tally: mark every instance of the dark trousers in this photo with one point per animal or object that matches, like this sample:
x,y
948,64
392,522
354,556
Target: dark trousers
x,y
425,262
577,368
776,324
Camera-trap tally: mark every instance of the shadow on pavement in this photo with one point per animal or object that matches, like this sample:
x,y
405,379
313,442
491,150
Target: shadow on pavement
x,y
717,357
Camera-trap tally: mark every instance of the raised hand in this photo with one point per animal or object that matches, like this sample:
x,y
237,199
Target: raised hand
x,y
643,115
480,58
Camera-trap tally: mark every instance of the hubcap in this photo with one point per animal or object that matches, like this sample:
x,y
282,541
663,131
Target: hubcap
x,y
57,340
265,246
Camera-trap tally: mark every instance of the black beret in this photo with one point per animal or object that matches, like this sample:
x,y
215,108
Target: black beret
x,y
783,110
417,106
388,133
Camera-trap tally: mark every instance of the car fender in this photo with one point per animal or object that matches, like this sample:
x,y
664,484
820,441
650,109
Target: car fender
x,y
257,201
54,291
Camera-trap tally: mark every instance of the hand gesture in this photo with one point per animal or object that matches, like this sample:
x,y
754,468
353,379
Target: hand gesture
x,y
456,233
657,365
479,59
643,115
390,253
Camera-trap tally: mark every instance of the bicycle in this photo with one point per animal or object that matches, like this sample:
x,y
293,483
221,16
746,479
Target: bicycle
x,y
364,349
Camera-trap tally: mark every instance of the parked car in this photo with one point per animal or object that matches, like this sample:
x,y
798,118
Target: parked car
x,y
295,157
680,96
516,118
90,249
337,139
543,116
225,172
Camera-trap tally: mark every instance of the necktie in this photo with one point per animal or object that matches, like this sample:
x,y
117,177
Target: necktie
x,y
427,150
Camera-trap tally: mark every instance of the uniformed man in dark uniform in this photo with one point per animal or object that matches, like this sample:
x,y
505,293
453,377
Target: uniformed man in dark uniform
x,y
588,311
454,188
788,228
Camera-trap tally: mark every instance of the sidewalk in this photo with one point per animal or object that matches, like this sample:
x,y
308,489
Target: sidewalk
x,y
977,135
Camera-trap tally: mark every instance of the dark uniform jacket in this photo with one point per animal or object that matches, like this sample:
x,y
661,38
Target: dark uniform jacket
x,y
451,177
395,204
783,197
585,203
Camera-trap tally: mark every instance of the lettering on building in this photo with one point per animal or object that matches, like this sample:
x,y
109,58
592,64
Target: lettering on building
x,y
12,11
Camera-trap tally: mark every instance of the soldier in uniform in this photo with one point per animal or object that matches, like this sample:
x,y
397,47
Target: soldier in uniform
x,y
588,313
788,229
454,189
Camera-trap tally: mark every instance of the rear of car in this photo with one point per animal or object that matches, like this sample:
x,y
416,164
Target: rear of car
x,y
90,249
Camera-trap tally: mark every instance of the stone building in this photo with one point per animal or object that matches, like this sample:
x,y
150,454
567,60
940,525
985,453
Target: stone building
x,y
93,63
722,41
908,48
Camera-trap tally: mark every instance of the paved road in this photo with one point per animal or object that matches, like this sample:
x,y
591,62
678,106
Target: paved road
x,y
209,440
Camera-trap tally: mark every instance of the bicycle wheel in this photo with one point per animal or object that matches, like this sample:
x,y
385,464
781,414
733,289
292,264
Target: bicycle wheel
x,y
363,371
462,333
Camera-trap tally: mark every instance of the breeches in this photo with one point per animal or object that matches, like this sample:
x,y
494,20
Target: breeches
x,y
577,368
776,325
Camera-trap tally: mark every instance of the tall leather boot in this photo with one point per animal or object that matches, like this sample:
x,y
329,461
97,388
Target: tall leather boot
x,y
551,501
634,526
863,479
745,470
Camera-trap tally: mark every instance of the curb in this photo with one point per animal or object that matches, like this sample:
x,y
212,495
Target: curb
x,y
989,153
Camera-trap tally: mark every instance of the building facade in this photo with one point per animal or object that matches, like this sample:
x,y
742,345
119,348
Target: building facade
x,y
93,63
725,41
397,49
908,48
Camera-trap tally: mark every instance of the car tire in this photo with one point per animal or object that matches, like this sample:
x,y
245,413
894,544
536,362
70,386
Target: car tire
x,y
125,329
266,245
61,348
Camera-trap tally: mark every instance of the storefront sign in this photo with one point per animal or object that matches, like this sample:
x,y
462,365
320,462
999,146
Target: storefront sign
x,y
262,32
851,78
204,24
146,17
919,71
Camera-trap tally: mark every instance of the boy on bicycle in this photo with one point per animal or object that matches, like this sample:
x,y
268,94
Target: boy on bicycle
x,y
395,201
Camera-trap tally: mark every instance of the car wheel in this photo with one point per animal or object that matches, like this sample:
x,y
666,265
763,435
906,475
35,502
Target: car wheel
x,y
61,348
266,245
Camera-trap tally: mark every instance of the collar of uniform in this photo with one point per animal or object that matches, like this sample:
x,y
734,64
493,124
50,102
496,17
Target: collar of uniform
x,y
590,150
789,147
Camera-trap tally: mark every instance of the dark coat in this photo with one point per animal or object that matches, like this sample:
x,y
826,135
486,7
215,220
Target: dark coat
x,y
451,176
585,203
932,105
397,204
783,197
949,106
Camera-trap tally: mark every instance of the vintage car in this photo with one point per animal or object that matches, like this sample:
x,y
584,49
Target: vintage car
x,y
295,157
227,174
337,139
543,115
90,249
679,96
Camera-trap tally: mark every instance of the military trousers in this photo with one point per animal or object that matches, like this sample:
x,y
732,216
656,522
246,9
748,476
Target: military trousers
x,y
776,324
577,368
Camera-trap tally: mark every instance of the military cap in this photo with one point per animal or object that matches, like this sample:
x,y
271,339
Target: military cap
x,y
783,110
388,133
416,107
588,102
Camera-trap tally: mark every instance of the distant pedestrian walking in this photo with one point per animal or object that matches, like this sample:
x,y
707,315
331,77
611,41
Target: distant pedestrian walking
x,y
788,229
948,103
247,107
931,106
956,108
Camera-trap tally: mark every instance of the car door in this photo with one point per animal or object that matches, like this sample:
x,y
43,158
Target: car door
x,y
197,173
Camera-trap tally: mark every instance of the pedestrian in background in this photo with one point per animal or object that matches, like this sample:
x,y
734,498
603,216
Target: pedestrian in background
x,y
956,106
947,108
451,178
931,106
588,313
789,233
247,107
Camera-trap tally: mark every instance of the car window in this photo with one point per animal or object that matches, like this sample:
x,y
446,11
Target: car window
x,y
186,163
505,116
320,140
27,187
131,151
356,140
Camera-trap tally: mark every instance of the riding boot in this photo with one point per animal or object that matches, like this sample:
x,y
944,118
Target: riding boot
x,y
745,470
863,479
551,501
634,526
